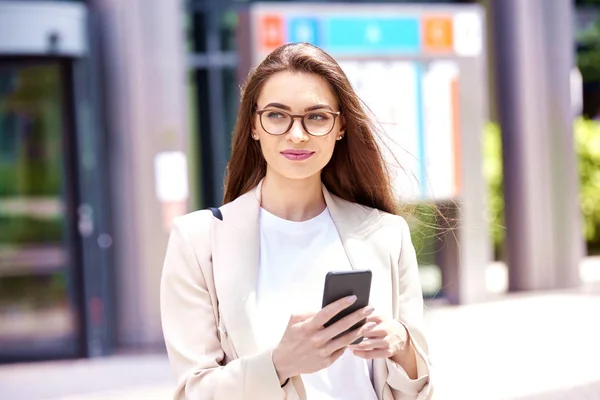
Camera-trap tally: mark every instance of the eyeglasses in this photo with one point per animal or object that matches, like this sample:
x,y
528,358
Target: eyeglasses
x,y
316,123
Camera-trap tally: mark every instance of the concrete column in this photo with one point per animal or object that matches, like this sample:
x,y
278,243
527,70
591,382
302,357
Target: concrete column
x,y
534,49
144,59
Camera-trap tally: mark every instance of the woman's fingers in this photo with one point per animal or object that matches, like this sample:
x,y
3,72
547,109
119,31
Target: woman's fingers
x,y
345,340
369,355
375,318
384,328
330,311
372,344
332,331
376,332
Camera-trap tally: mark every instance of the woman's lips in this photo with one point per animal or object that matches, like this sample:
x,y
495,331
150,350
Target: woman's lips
x,y
297,155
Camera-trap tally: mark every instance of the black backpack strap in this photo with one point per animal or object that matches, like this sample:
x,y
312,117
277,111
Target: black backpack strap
x,y
216,212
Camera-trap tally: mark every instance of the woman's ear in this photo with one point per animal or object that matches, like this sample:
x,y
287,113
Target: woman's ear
x,y
253,131
342,128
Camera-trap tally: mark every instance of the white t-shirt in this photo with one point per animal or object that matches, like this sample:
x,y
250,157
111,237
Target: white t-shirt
x,y
294,259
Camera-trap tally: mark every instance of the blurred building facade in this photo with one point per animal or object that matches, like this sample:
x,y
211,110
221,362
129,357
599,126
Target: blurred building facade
x,y
54,207
92,102
114,116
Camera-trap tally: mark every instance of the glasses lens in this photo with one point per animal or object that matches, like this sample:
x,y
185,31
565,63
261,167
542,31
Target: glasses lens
x,y
319,124
275,122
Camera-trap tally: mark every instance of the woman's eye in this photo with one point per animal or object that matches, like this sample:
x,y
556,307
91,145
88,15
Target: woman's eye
x,y
318,117
275,115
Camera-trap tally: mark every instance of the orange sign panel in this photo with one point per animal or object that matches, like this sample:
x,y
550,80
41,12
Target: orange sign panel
x,y
271,32
437,34
456,130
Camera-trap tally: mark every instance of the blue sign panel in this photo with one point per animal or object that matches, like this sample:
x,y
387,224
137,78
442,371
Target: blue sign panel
x,y
421,132
304,29
369,35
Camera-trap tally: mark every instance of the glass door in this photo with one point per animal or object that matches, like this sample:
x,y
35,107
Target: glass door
x,y
39,314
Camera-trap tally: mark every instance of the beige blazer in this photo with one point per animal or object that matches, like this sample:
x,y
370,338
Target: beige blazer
x,y
208,290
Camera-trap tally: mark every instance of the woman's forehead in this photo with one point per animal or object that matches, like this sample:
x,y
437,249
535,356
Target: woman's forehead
x,y
297,91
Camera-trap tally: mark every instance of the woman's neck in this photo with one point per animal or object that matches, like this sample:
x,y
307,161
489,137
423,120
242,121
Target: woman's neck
x,y
294,200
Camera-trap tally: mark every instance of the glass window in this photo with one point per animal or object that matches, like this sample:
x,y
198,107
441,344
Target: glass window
x,y
227,30
35,264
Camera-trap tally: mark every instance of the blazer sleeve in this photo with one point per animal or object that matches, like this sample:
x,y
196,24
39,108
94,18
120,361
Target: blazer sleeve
x,y
190,332
409,306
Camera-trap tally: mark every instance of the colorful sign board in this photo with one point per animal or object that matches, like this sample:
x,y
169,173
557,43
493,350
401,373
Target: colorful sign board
x,y
456,33
417,107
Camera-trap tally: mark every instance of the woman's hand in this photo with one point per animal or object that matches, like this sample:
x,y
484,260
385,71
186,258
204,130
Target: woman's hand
x,y
387,338
307,346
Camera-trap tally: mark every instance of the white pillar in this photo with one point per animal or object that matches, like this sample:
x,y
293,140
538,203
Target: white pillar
x,y
144,59
534,47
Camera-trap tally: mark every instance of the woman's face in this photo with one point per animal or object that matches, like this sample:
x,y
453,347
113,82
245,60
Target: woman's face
x,y
296,154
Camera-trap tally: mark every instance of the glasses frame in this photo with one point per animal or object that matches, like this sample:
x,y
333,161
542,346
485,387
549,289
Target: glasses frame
x,y
301,116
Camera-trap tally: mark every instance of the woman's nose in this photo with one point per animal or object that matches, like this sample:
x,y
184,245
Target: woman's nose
x,y
297,133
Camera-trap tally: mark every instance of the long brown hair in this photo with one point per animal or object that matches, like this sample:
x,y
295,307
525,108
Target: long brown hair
x,y
356,172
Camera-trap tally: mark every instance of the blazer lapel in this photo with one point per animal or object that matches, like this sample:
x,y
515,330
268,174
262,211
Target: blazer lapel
x,y
363,235
365,239
367,243
236,247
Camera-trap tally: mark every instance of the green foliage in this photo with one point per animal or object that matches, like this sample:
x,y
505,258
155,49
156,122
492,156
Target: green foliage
x,y
492,169
423,221
588,56
24,230
587,135
30,178
587,2
587,145
31,133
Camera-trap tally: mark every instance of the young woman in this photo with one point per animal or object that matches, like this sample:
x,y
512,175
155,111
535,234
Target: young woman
x,y
306,193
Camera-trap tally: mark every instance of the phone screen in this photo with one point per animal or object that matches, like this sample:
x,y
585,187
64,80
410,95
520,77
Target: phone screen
x,y
347,283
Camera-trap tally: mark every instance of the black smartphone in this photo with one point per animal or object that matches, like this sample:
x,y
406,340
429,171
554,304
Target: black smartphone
x,y
347,283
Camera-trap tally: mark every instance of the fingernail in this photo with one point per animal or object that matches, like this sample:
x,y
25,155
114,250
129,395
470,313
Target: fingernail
x,y
369,310
351,299
369,325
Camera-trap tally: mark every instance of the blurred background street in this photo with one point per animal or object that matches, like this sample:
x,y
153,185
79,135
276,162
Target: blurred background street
x,y
116,116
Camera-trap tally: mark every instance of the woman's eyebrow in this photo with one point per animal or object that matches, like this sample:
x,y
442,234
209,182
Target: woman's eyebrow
x,y
278,105
311,108
318,107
